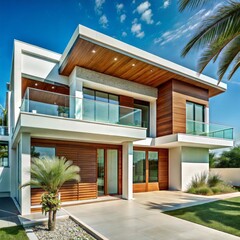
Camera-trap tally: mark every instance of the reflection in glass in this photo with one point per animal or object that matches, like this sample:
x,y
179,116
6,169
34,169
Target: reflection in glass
x,y
100,178
139,166
153,166
112,171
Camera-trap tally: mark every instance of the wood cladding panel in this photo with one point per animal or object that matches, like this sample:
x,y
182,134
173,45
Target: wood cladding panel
x,y
126,67
171,105
26,82
164,110
163,169
126,101
83,155
139,187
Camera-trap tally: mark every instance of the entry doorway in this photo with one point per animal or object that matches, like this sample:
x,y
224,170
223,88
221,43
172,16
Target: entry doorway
x,y
107,171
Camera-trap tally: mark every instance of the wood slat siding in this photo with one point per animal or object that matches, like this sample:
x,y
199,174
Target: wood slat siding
x,y
163,169
162,183
171,105
83,155
103,61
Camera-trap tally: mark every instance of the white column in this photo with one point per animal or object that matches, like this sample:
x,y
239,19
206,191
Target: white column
x,y
127,172
25,164
153,119
76,91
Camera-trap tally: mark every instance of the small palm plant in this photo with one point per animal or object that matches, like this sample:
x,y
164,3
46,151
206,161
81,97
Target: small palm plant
x,y
50,174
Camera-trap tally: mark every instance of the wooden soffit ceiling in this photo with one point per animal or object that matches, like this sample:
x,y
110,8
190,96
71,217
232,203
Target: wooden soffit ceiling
x,y
101,59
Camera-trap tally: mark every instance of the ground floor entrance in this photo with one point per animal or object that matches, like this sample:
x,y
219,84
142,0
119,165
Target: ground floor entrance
x,y
101,169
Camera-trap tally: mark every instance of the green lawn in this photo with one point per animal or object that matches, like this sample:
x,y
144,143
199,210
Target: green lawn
x,y
13,233
223,215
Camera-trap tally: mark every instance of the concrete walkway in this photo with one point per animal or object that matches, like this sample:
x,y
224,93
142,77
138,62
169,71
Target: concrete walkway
x,y
8,213
142,218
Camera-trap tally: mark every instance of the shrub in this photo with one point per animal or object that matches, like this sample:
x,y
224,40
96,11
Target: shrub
x,y
199,180
204,184
205,190
214,180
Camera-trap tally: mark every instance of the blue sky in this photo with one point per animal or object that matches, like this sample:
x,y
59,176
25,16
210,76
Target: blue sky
x,y
154,25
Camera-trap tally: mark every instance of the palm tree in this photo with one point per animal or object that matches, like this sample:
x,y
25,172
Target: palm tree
x,y
4,116
218,36
50,174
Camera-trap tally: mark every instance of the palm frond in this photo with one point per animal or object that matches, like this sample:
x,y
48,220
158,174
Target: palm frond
x,y
212,52
235,67
191,4
224,23
229,54
51,173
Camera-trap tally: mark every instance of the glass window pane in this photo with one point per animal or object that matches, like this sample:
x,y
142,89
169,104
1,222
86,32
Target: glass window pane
x,y
113,113
40,152
153,166
199,114
114,99
4,154
190,111
112,171
101,96
88,93
88,109
100,179
139,166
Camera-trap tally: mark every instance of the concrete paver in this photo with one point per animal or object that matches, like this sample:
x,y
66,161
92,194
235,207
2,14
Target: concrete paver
x,y
143,217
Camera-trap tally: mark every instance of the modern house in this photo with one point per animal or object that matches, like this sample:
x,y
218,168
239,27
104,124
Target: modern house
x,y
132,121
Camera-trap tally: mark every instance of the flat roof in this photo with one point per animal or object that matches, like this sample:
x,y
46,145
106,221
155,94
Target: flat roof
x,y
98,52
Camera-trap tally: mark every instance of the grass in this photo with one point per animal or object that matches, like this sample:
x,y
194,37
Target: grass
x,y
13,233
223,215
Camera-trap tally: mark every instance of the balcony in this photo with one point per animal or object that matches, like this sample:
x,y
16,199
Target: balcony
x,y
51,115
58,105
209,130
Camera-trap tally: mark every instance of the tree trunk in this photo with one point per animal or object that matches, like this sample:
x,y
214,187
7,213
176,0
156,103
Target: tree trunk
x,y
54,220
50,223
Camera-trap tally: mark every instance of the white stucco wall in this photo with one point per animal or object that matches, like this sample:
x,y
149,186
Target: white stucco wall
x,y
184,164
175,168
194,162
229,175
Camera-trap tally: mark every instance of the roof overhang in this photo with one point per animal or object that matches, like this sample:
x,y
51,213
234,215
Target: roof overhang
x,y
98,52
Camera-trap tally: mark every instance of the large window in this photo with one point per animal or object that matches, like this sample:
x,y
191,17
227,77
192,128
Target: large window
x,y
139,167
4,154
100,106
195,117
40,152
153,166
144,106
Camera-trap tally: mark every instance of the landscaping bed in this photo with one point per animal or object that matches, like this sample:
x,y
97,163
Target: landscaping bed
x,y
65,230
221,215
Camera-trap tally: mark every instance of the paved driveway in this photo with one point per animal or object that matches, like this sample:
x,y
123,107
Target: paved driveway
x,y
142,218
8,213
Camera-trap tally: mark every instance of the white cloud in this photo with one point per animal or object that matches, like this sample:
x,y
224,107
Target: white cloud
x,y
143,7
119,7
124,34
158,23
186,29
136,29
166,3
98,6
145,11
147,16
103,21
123,18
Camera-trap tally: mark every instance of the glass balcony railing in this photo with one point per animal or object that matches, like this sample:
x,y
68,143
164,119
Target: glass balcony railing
x,y
209,130
54,104
3,131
